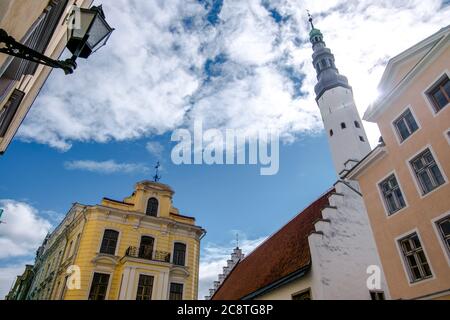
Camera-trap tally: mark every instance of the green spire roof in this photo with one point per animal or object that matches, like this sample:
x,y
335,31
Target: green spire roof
x,y
315,32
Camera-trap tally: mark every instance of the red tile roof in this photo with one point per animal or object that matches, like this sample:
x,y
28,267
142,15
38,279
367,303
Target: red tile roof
x,y
284,253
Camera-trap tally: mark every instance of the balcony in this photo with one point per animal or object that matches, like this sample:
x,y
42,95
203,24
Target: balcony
x,y
147,253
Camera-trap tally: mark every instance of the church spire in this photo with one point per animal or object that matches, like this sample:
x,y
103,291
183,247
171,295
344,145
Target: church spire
x,y
323,60
334,96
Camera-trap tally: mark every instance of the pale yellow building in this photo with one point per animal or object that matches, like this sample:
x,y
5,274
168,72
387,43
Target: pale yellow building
x,y
139,248
405,180
42,26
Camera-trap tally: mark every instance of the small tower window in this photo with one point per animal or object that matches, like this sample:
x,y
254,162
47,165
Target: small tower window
x,y
357,125
361,138
331,133
152,207
343,125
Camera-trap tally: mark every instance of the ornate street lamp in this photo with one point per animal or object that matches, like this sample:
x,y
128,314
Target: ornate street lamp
x,y
88,31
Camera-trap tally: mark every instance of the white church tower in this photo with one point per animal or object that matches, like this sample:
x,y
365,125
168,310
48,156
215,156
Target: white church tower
x,y
334,95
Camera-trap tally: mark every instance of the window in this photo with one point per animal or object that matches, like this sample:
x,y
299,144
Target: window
x,y
357,125
146,248
305,295
152,207
145,288
179,254
176,291
439,94
392,195
109,242
9,110
99,286
406,125
69,249
361,138
427,171
444,230
415,258
331,133
377,295
343,125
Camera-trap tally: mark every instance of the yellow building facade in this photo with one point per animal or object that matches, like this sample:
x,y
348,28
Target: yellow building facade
x,y
139,248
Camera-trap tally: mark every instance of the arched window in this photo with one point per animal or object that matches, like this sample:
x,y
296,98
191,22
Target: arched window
x,y
331,133
343,125
152,207
179,254
109,242
146,247
357,125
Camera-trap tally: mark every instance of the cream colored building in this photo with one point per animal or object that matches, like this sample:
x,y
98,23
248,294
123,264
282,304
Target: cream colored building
x,y
405,180
42,26
139,248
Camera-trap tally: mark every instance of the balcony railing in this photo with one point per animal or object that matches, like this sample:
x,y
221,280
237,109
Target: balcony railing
x,y
147,253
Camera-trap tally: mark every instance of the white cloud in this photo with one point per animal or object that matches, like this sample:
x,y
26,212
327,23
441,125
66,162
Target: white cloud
x,y
8,275
150,77
24,230
214,257
106,167
155,148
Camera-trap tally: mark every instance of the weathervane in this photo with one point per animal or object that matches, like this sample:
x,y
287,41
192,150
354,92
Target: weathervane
x,y
157,177
310,19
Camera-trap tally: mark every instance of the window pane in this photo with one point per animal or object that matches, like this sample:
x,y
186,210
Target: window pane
x,y
179,254
437,175
440,99
109,242
176,291
447,87
402,129
412,124
152,207
145,288
99,286
445,227
426,182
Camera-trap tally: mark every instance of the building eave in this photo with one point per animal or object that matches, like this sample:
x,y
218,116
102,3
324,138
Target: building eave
x,y
379,106
375,155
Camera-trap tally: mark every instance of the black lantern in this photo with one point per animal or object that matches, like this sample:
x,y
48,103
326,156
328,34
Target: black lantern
x,y
88,31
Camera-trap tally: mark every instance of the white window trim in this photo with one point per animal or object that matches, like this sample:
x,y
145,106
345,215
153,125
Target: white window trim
x,y
118,240
406,268
136,283
186,255
414,176
92,278
439,235
395,130
380,193
425,95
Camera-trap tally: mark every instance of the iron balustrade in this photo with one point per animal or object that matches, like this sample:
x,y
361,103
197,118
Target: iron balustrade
x,y
148,254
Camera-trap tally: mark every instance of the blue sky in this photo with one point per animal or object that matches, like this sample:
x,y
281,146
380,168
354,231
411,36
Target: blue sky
x,y
233,64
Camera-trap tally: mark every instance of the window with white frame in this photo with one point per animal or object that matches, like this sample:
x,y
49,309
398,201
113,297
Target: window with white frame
x,y
427,171
392,194
109,242
415,258
99,286
406,125
145,287
377,295
443,226
439,94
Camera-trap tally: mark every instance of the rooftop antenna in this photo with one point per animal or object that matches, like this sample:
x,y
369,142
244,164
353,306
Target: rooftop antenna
x,y
310,19
237,240
157,177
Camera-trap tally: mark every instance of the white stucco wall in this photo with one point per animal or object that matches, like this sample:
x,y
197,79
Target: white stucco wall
x,y
341,255
338,106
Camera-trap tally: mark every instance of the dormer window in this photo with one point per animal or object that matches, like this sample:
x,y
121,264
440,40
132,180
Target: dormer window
x,y
152,207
